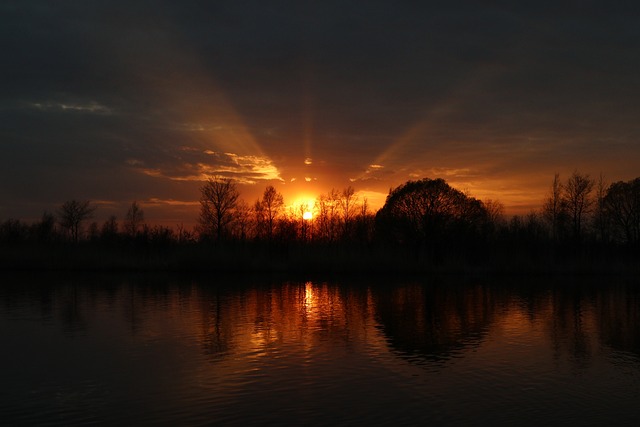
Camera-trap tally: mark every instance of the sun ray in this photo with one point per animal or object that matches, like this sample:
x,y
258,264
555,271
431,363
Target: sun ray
x,y
435,116
189,97
308,108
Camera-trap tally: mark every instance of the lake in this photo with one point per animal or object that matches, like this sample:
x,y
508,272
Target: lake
x,y
152,350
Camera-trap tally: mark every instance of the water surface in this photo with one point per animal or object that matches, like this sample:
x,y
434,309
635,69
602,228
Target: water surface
x,y
139,350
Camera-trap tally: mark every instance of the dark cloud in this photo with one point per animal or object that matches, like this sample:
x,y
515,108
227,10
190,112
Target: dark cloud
x,y
99,98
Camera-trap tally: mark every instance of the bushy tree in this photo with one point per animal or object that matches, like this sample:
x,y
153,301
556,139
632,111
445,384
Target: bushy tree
x,y
622,207
428,211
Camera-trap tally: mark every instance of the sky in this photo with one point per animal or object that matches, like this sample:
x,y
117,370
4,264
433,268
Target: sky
x,y
116,101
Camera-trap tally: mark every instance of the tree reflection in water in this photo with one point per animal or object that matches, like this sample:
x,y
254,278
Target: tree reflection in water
x,y
359,349
429,321
434,323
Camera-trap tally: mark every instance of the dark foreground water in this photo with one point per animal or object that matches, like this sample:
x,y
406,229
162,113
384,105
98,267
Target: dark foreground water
x,y
141,350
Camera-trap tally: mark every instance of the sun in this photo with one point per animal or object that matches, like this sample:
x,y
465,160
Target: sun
x,y
304,206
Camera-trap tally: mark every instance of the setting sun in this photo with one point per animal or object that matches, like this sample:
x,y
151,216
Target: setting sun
x,y
304,206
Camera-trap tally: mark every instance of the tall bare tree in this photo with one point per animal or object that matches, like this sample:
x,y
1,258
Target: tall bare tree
x,y
364,207
600,223
554,208
327,207
242,220
71,215
272,204
348,206
218,201
134,219
577,196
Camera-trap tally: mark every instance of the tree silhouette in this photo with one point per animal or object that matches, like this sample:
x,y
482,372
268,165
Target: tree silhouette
x,y
93,232
428,210
554,209
71,215
622,204
349,209
271,206
109,231
322,220
495,211
12,231
134,219
242,220
45,229
328,215
218,201
577,193
600,219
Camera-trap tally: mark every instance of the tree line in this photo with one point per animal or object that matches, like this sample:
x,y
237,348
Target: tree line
x,y
335,216
584,208
426,217
68,225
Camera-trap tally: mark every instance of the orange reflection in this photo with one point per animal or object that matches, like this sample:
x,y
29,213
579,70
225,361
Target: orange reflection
x,y
419,323
309,298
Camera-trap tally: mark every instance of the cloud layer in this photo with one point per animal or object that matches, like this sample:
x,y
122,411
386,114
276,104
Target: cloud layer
x,y
142,100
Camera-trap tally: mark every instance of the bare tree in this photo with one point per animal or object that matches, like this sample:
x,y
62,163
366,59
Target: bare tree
x,y
554,208
364,207
71,215
306,227
364,222
327,218
272,204
495,211
242,220
217,204
259,219
600,223
348,202
109,229
134,219
183,234
577,197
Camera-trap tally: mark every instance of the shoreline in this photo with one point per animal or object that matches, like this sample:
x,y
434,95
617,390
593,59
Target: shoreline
x,y
321,259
